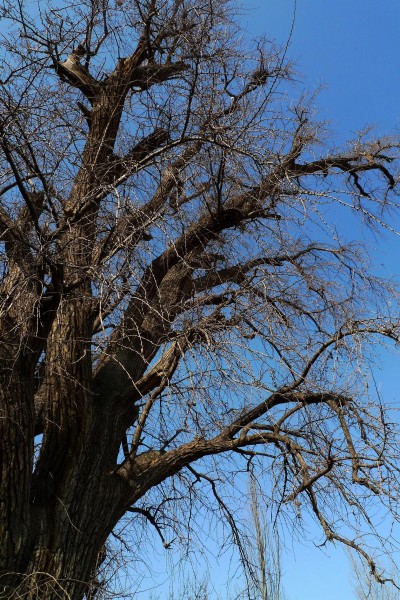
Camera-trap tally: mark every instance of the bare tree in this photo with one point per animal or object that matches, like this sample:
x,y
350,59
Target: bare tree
x,y
259,576
176,306
365,585
265,572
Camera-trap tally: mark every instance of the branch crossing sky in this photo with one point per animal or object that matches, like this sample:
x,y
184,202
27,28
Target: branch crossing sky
x,y
352,48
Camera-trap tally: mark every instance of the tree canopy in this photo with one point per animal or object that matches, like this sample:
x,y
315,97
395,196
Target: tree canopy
x,y
177,303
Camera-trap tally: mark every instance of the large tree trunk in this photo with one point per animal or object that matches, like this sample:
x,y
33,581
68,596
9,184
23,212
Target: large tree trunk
x,y
54,537
71,533
16,455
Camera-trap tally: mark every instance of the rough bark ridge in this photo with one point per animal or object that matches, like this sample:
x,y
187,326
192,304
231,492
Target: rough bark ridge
x,y
164,295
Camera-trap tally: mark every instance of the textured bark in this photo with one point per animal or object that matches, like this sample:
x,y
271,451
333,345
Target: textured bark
x,y
16,455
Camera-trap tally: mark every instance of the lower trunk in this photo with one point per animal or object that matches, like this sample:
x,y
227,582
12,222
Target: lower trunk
x,y
16,456
55,527
56,516
69,539
47,577
59,574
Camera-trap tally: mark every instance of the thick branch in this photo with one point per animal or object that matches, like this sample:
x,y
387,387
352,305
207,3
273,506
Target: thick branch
x,y
352,164
162,370
144,77
237,273
78,75
123,167
156,466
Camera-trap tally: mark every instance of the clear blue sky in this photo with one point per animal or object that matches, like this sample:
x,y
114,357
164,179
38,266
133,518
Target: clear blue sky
x,y
350,45
353,48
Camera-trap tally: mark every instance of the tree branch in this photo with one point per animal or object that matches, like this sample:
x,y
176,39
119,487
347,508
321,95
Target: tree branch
x,y
78,75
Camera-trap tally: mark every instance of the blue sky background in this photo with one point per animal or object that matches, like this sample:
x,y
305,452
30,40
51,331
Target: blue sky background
x,y
350,45
353,48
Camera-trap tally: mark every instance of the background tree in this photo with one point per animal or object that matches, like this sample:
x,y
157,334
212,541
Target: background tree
x,y
176,306
265,579
365,585
262,545
261,577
